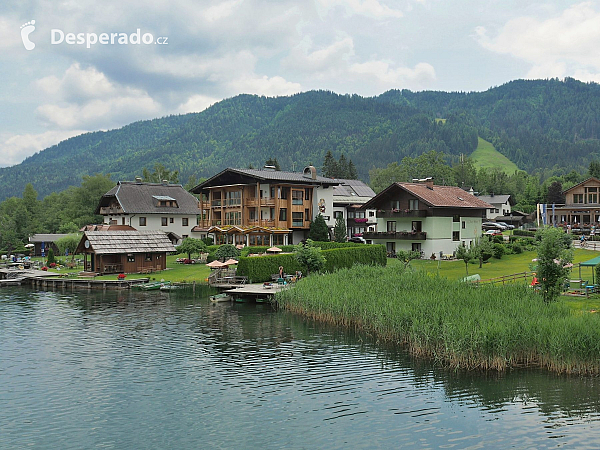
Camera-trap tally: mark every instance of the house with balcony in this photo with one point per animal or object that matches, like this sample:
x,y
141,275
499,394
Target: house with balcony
x,y
348,198
581,208
425,217
262,206
501,206
151,207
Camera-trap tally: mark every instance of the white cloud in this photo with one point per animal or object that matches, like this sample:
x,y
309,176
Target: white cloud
x,y
368,8
196,103
264,85
221,10
15,148
563,45
85,98
384,75
321,62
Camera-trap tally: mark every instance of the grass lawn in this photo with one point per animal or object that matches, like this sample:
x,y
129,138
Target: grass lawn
x,y
510,264
485,155
175,272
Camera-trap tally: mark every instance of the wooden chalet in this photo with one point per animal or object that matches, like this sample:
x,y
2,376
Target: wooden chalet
x,y
124,251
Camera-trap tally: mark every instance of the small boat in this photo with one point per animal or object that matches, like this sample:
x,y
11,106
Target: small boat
x,y
220,298
170,287
154,286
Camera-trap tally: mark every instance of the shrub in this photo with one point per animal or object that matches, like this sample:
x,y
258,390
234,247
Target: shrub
x,y
517,248
524,233
498,251
226,251
337,258
51,258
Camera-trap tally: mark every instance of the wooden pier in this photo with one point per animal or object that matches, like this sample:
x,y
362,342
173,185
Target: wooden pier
x,y
43,279
256,291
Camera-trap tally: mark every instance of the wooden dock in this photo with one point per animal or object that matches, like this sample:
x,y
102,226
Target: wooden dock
x,y
256,291
43,279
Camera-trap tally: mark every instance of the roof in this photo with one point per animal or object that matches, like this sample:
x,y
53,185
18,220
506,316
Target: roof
x,y
592,262
597,181
503,198
142,198
352,188
437,196
243,176
46,237
111,242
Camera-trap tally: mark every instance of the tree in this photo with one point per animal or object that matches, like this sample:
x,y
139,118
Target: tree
x,y
318,229
68,227
68,242
51,258
191,245
227,251
406,256
554,256
310,256
160,173
466,254
339,232
343,167
555,194
482,249
594,169
352,172
329,165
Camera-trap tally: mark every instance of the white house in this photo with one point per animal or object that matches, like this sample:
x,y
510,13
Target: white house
x,y
424,217
150,206
500,205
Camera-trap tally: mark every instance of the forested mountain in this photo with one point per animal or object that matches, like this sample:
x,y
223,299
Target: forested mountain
x,y
549,126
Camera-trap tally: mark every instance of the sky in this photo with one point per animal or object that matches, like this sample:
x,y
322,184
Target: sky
x,y
72,66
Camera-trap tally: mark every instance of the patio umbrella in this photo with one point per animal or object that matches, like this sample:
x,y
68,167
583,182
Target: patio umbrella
x,y
230,262
216,264
239,246
274,250
29,245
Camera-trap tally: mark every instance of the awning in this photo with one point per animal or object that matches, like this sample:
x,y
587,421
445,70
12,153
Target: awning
x,y
592,262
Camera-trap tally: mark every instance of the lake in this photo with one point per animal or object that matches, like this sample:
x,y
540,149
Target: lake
x,y
158,370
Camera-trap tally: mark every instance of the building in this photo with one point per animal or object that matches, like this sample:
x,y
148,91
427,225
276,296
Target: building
x,y
424,217
124,251
500,206
150,206
262,206
581,208
43,242
348,198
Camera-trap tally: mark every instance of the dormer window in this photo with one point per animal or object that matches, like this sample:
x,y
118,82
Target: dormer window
x,y
164,201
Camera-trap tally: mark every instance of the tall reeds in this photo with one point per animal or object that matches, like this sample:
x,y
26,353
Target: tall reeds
x,y
457,324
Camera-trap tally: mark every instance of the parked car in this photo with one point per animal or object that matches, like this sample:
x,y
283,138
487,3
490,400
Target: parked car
x,y
358,240
492,226
493,233
507,225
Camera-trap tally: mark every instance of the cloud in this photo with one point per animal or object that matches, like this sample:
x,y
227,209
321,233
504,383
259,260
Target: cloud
x,y
566,44
86,99
383,74
325,61
196,103
15,148
368,8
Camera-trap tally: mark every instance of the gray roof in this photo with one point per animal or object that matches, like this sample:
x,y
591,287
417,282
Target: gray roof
x,y
46,237
141,198
107,242
503,198
352,188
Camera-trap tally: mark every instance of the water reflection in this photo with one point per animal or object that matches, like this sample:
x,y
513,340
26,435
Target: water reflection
x,y
155,370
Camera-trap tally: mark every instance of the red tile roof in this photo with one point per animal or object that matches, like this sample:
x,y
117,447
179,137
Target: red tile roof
x,y
444,196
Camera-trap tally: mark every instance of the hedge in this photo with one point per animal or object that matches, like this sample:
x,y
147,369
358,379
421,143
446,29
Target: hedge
x,y
260,268
524,233
262,249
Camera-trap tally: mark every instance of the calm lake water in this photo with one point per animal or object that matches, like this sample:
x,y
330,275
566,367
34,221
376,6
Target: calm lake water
x,y
159,370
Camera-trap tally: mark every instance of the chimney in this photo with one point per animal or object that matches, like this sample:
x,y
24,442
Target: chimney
x,y
310,172
165,182
138,180
429,183
273,168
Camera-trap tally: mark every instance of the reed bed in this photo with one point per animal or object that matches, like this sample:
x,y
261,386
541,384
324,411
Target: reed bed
x,y
459,325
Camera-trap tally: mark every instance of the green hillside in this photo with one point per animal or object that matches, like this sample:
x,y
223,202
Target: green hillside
x,y
486,156
544,126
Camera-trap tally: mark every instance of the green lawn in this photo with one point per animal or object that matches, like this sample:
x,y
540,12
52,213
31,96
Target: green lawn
x,y
486,156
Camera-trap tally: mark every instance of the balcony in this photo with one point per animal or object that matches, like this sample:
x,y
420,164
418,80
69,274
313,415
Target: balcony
x,y
394,213
105,210
262,223
215,203
255,201
396,235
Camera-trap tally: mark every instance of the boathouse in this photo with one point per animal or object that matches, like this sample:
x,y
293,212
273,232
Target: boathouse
x,y
124,251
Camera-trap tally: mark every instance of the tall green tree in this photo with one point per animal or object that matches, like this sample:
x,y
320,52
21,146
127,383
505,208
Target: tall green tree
x,y
159,174
594,169
191,245
310,256
555,253
318,229
339,231
329,165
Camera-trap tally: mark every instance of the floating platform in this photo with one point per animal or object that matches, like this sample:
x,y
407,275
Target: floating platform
x,y
256,291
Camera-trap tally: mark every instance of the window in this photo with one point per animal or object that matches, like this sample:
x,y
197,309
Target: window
x,y
307,194
390,248
142,221
391,226
592,198
130,257
456,235
456,218
306,215
272,191
337,214
297,197
283,214
359,214
413,204
171,219
234,198
297,219
278,239
350,215
395,204
122,220
185,236
233,218
371,213
285,192
163,221
272,214
577,198
417,226
148,257
184,221
464,225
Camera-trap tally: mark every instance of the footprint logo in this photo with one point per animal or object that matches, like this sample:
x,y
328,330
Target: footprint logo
x,y
26,30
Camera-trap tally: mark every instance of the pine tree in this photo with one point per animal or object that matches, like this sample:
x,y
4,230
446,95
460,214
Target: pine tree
x,y
339,232
329,165
594,169
352,172
318,229
343,167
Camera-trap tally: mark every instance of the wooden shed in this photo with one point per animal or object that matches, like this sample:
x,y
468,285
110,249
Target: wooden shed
x,y
125,251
